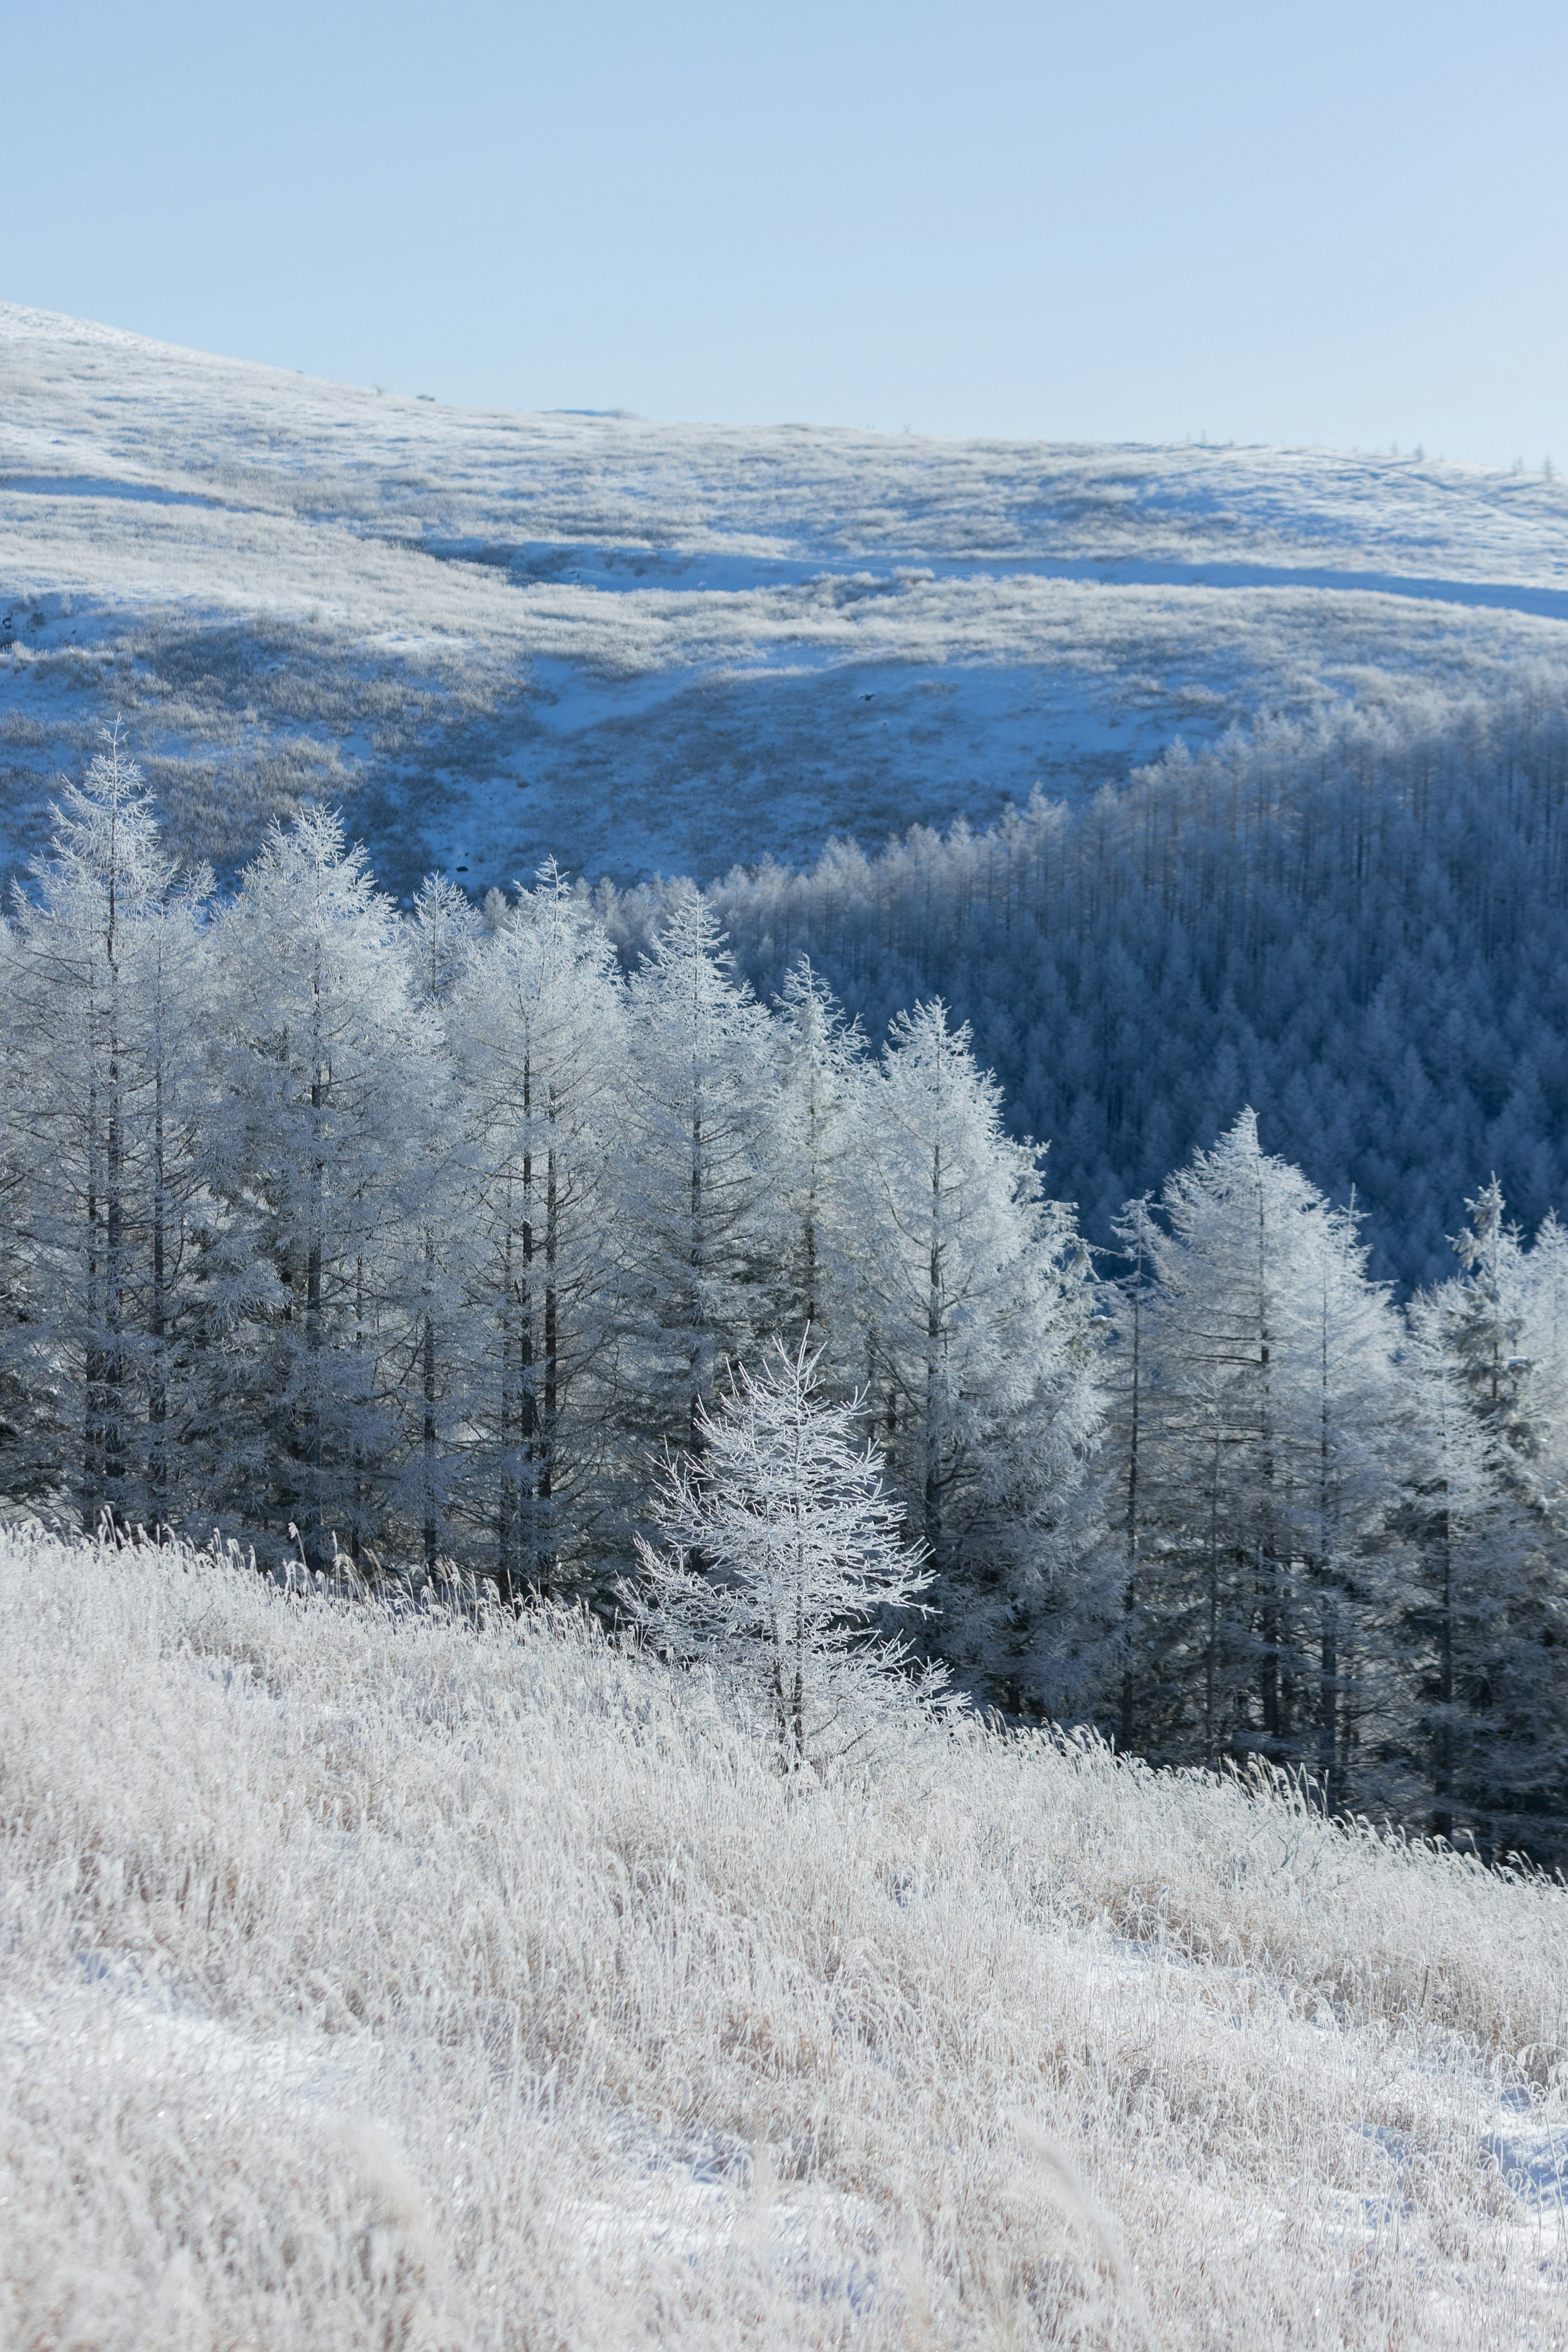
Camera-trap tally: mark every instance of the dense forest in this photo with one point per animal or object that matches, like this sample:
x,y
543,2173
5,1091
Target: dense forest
x,y
1354,927
418,1238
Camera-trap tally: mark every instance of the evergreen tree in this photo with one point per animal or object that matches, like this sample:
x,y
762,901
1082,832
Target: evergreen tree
x,y
1496,1605
1466,1542
1267,1433
445,933
818,1138
1127,1464
1353,1567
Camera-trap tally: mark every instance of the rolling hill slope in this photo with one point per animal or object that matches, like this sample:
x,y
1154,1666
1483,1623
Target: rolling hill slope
x,y
644,646
376,1979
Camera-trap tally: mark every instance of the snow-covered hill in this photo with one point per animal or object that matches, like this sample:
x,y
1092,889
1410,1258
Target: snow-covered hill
x,y
645,646
369,1982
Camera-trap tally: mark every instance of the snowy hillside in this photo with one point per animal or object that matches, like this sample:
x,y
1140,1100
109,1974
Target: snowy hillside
x,y
645,646
375,1982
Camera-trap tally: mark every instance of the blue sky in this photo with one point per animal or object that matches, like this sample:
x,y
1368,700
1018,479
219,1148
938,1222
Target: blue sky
x,y
1320,223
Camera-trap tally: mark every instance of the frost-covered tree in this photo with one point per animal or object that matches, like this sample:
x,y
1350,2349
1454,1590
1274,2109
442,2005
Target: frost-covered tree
x,y
446,932
538,1029
1124,1632
1353,1565
1466,1543
702,1217
784,1560
979,1381
1267,1433
106,1118
1494,1543
815,1150
1545,1343
334,1082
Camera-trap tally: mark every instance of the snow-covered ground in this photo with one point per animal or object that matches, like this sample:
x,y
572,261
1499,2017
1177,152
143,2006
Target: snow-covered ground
x,y
648,646
381,1983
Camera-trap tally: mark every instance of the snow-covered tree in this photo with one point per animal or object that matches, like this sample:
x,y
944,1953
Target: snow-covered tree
x,y
538,1027
107,1110
1545,1343
446,932
1129,1460
816,1147
1352,1567
1267,1432
979,1381
1493,1607
703,1223
784,1559
1466,1542
333,1083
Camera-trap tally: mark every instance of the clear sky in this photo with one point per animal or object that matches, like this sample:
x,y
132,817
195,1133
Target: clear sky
x,y
1321,222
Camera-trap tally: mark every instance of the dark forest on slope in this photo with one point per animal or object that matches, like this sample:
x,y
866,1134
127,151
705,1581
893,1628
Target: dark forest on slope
x,y
1358,930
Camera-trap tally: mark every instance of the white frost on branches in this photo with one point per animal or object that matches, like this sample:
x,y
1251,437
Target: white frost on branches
x,y
784,1559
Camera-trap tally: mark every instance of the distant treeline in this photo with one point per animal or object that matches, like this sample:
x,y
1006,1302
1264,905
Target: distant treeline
x,y
1357,927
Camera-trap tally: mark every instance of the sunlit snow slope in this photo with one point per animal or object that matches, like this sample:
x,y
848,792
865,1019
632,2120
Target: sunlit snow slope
x,y
369,1980
645,646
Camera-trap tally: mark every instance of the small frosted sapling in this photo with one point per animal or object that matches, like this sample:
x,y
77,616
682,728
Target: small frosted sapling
x,y
783,1559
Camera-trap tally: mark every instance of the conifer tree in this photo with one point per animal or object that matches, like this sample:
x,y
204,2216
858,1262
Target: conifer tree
x,y
785,1562
107,1107
1495,1567
1129,1461
538,1031
1267,1437
818,1138
702,1217
446,932
980,1379
333,1080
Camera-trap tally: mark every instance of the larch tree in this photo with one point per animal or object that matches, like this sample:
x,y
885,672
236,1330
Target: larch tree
x,y
784,1561
818,1138
1495,1577
538,1026
1130,1460
445,933
1467,1541
1353,1565
332,1076
980,1376
106,1110
1268,1397
702,1220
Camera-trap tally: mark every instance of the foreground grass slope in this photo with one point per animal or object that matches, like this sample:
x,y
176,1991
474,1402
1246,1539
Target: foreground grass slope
x,y
376,1982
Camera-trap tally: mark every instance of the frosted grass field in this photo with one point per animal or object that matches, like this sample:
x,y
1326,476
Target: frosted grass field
x,y
646,646
385,1982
